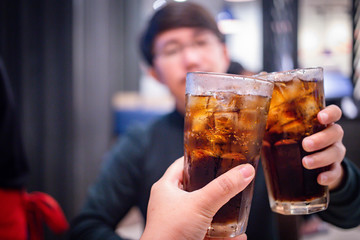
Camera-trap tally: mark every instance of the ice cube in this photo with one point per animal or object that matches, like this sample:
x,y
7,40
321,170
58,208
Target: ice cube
x,y
294,129
196,140
281,115
308,107
226,122
201,155
252,102
225,102
277,96
294,89
200,121
195,103
248,119
309,87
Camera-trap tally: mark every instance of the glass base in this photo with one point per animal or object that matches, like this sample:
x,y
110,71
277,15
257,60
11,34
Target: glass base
x,y
300,208
225,230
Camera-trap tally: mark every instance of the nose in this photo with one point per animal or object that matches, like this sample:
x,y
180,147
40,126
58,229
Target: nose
x,y
191,59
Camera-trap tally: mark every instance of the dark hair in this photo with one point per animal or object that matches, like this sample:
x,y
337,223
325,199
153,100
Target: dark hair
x,y
176,15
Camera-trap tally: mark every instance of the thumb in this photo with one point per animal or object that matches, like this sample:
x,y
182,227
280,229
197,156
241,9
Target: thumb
x,y
219,191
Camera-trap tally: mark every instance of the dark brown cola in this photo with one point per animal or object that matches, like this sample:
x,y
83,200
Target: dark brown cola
x,y
223,130
288,179
292,117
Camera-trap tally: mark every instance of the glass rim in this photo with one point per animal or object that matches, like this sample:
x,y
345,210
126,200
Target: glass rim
x,y
291,71
208,82
288,73
233,76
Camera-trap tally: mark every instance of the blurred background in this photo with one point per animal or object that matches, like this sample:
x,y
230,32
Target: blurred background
x,y
79,80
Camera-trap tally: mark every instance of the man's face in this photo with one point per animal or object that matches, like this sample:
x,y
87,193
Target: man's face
x,y
182,50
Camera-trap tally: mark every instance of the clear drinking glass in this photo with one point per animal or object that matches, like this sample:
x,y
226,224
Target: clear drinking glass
x,y
297,98
224,125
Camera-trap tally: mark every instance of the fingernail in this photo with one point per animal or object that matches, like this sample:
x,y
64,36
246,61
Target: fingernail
x,y
323,116
308,161
246,171
309,144
323,179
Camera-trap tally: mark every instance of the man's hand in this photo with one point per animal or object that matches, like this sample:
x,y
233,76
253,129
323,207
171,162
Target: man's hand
x,y
332,153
